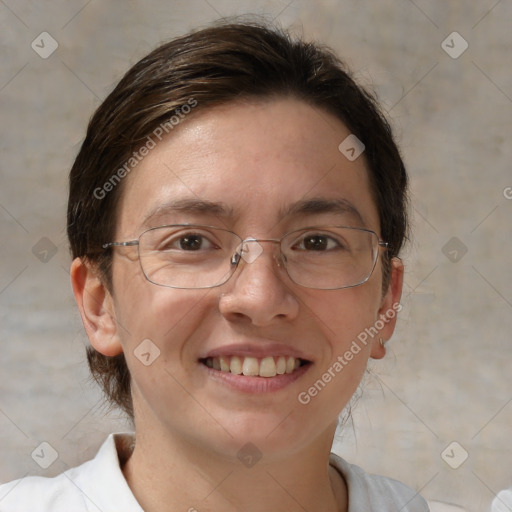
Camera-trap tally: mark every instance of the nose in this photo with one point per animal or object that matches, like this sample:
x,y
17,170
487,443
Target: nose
x,y
260,292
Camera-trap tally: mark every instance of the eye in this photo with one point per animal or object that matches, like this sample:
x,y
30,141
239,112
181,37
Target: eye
x,y
187,242
317,242
192,242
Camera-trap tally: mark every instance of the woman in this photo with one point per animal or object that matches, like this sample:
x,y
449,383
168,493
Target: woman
x,y
235,216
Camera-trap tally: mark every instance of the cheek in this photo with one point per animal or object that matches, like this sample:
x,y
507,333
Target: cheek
x,y
344,314
166,316
341,317
157,325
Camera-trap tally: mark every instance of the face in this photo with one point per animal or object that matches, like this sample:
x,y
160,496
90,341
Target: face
x,y
251,168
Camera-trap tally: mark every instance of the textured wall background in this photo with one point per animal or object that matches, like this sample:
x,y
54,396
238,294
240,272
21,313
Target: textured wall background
x,y
447,377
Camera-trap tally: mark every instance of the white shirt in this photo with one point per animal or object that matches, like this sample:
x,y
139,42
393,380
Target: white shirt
x,y
99,486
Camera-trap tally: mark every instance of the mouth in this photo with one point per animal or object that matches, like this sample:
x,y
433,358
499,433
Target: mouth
x,y
249,366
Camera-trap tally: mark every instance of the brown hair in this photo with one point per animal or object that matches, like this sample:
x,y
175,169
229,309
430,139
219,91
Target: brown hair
x,y
213,66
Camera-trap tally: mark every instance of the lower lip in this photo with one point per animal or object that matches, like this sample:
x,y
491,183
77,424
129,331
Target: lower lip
x,y
256,385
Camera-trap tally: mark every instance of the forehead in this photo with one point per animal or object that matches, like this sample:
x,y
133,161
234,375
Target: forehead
x,y
253,163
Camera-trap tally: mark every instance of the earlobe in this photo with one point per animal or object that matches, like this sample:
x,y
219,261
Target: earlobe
x,y
96,309
389,309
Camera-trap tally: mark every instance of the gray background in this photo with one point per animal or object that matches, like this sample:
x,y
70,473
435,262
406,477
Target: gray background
x,y
447,374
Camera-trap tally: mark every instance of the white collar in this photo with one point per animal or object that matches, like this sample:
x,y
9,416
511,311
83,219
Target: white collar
x,y
103,483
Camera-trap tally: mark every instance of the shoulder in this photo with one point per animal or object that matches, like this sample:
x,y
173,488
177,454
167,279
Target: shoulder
x,y
39,494
377,493
437,506
80,489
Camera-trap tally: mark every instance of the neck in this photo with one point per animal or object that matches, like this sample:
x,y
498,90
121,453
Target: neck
x,y
168,474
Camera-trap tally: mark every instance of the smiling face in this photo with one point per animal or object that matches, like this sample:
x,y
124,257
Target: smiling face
x,y
259,169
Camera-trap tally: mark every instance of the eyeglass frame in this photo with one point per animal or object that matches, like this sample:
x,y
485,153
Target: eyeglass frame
x,y
136,242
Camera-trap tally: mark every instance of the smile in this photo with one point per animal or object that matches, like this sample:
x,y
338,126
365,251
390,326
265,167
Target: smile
x,y
269,366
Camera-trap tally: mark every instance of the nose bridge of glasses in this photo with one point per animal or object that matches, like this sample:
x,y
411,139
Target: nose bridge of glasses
x,y
250,248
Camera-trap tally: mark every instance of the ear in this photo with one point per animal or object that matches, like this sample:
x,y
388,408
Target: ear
x,y
96,308
389,309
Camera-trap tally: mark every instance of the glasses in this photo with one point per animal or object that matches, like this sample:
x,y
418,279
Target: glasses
x,y
191,256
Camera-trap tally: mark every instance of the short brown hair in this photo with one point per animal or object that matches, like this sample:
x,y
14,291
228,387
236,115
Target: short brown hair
x,y
214,66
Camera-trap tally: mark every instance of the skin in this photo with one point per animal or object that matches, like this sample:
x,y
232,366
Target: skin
x,y
257,158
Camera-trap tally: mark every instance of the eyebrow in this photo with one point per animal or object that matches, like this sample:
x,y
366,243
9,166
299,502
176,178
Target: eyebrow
x,y
321,206
191,205
300,208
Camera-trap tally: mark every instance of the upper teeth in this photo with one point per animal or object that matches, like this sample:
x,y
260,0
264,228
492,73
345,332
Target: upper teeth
x,y
265,367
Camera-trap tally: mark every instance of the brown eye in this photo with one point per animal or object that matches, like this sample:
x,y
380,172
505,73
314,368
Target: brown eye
x,y
191,242
315,243
187,242
318,242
